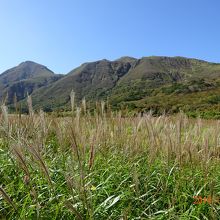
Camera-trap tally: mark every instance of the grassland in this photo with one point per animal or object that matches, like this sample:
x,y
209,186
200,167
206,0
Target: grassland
x,y
107,166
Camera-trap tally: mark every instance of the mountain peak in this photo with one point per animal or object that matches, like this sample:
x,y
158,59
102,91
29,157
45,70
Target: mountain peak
x,y
126,59
25,70
32,67
24,79
29,62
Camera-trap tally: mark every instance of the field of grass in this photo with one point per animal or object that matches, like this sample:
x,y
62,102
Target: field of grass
x,y
106,166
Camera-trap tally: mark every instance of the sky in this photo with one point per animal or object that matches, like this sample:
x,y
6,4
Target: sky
x,y
63,34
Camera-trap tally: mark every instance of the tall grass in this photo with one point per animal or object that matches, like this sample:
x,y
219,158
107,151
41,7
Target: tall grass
x,y
106,166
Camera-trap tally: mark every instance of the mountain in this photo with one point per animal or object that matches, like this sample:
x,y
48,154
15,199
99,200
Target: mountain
x,y
94,81
160,83
155,83
24,79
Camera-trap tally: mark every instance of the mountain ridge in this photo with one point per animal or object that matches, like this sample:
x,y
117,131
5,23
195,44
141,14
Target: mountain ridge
x,y
146,83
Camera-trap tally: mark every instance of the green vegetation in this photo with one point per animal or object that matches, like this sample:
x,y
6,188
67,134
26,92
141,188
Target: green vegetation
x,y
106,166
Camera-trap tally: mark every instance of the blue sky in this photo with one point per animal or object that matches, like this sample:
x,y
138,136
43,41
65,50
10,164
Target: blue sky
x,y
62,34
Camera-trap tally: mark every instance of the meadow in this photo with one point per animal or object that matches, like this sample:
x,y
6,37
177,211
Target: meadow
x,y
104,165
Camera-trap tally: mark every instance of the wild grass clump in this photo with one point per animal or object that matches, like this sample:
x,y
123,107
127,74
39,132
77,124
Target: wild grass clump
x,y
106,166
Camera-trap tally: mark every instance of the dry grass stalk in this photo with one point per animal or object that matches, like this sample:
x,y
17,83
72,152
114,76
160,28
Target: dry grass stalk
x,y
102,107
72,100
4,110
21,159
78,112
43,121
84,106
30,106
92,155
38,158
7,198
73,210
